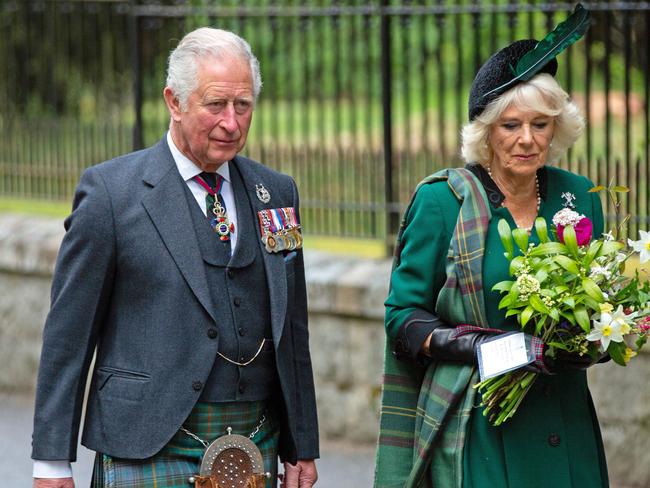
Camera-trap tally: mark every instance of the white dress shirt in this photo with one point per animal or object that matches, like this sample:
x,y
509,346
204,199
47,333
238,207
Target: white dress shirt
x,y
188,170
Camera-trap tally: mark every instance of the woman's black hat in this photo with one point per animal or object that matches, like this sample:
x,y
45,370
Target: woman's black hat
x,y
521,60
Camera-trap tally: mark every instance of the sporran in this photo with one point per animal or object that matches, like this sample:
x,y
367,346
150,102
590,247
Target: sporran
x,y
230,461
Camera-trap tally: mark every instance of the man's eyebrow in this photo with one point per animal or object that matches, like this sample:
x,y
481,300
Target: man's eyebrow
x,y
222,98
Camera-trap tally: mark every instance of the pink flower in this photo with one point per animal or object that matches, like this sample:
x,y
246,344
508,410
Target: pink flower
x,y
644,325
583,228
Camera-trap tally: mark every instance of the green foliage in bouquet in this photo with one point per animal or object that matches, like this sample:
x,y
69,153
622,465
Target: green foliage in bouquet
x,y
570,292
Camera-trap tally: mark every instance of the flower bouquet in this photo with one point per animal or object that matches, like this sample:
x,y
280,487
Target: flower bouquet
x,y
571,293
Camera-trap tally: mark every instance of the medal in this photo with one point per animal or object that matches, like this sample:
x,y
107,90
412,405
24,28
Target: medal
x,y
220,222
280,229
230,461
270,243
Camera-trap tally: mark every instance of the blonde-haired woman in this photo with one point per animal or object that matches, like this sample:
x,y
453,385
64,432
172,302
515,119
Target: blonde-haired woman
x,y
441,305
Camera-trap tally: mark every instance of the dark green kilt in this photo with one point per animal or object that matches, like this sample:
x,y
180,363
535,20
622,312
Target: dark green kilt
x,y
180,458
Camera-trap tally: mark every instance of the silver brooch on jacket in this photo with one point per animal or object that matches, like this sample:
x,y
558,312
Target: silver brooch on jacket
x,y
263,194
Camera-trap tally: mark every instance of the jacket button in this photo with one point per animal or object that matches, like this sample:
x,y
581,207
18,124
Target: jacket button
x,y
231,273
242,389
554,440
241,331
197,386
237,301
212,333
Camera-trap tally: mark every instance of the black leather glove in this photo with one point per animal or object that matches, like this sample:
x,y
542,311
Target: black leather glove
x,y
446,343
450,344
462,343
572,361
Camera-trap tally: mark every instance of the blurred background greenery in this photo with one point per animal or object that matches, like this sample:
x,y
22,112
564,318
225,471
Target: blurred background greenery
x,y
361,98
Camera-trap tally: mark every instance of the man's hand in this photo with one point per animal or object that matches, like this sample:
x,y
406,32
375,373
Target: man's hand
x,y
300,475
53,483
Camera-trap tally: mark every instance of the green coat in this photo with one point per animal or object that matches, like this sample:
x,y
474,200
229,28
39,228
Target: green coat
x,y
554,439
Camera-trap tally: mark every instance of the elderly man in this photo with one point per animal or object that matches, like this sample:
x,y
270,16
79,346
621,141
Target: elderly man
x,y
182,269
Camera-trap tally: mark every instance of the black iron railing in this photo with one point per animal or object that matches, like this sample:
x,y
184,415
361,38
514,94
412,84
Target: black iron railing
x,y
361,99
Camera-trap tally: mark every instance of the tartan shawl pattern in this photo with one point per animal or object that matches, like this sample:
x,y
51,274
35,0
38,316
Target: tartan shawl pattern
x,y
181,456
424,414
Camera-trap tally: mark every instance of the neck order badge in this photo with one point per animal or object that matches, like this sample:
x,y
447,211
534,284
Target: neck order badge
x,y
220,221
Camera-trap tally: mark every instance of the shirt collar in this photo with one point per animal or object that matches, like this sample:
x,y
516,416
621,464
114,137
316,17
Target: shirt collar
x,y
187,168
495,196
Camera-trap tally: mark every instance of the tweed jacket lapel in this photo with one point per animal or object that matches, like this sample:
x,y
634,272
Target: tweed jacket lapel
x,y
273,262
167,207
246,222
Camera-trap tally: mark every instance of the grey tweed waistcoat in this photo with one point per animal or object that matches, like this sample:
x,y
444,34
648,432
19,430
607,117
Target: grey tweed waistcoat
x,y
240,296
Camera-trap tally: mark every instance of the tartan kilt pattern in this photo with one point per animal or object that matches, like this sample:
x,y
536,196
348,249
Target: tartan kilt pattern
x,y
180,458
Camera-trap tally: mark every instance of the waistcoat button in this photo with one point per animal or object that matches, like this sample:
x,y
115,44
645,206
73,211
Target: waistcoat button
x,y
197,386
237,301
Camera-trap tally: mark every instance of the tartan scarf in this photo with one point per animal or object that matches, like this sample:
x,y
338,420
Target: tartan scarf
x,y
424,414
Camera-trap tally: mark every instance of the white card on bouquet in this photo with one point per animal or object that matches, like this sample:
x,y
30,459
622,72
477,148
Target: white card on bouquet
x,y
503,353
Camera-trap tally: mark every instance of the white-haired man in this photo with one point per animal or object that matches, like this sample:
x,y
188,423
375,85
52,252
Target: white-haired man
x,y
182,269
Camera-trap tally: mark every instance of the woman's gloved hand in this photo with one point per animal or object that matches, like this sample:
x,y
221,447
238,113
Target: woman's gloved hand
x,y
461,344
572,361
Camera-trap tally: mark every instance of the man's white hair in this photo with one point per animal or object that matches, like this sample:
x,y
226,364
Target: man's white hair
x,y
541,94
205,43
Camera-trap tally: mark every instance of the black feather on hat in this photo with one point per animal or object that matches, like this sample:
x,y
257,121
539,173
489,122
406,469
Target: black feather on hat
x,y
523,59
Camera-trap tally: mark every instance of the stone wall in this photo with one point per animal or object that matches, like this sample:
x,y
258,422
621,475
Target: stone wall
x,y
28,248
346,297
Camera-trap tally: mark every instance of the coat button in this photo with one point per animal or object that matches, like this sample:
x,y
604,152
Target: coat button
x,y
242,389
212,333
231,273
554,440
237,301
241,331
197,386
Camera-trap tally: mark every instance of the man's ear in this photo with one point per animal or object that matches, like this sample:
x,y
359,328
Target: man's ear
x,y
173,104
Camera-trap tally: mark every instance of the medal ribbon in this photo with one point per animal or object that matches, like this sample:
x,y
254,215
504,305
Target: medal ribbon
x,y
212,191
274,220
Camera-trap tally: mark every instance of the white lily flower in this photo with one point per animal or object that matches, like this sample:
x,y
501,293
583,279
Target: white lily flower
x,y
626,320
608,328
642,246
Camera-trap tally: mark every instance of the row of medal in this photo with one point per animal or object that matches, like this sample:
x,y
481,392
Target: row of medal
x,y
280,229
